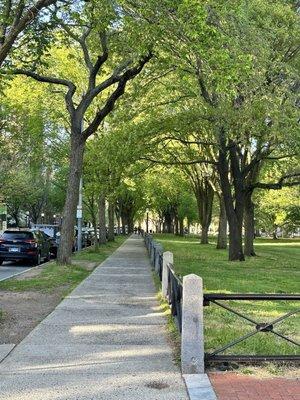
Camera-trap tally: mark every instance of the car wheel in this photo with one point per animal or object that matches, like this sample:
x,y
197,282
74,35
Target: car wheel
x,y
37,259
1,261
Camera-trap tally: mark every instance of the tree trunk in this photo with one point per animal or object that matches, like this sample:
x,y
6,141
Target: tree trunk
x,y
91,204
96,242
222,229
111,221
234,212
123,219
168,223
204,196
69,213
102,219
130,224
204,234
176,223
249,226
181,227
119,223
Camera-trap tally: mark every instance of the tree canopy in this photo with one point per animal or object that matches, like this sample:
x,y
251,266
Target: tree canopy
x,y
187,109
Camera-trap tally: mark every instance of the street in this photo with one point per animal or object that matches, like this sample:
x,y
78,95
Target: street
x,y
11,268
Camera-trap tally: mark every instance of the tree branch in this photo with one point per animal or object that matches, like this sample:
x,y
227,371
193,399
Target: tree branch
x,y
280,184
21,21
51,79
183,141
118,92
162,162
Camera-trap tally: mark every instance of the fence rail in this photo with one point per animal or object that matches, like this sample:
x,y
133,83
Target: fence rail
x,y
218,298
174,286
174,295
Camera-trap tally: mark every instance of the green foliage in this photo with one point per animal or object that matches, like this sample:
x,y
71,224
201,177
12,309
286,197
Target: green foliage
x,y
279,208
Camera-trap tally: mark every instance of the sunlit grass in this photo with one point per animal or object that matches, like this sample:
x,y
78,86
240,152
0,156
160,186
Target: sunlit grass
x,y
54,275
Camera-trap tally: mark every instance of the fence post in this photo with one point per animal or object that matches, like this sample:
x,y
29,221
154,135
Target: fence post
x,y
192,338
158,251
167,259
152,253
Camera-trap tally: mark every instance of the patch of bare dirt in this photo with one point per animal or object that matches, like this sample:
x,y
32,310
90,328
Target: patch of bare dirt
x,y
22,311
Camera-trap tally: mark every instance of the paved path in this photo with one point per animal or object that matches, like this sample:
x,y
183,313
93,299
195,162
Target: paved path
x,y
231,386
104,341
9,269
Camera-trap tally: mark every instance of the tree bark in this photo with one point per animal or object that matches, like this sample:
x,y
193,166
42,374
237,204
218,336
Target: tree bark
x,y
123,222
130,224
102,219
222,229
168,223
181,227
249,226
176,222
111,221
91,204
204,195
234,210
69,213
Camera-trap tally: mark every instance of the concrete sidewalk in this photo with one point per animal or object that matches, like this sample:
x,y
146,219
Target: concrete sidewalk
x,y
105,341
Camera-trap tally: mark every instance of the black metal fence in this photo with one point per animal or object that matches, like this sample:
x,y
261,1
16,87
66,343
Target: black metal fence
x,y
174,297
218,299
174,288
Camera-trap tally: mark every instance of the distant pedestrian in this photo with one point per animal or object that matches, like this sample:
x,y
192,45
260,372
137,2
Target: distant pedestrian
x,y
135,229
139,230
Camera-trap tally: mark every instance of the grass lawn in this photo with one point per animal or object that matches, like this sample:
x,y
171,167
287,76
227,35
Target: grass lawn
x,y
276,269
70,276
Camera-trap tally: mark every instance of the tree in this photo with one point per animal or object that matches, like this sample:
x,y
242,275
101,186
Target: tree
x,y
246,79
100,32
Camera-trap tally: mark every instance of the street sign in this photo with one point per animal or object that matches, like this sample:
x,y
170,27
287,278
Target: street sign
x,y
79,213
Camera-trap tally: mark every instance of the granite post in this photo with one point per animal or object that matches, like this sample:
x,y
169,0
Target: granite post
x,y
192,337
167,259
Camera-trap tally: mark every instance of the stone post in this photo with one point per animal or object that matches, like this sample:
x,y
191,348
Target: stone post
x,y
192,338
167,259
152,253
158,251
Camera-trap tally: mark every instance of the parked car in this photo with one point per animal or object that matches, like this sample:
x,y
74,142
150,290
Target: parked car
x,y
32,246
52,240
52,233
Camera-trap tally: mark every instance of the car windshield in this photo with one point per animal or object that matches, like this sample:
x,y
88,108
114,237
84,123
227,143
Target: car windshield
x,y
16,235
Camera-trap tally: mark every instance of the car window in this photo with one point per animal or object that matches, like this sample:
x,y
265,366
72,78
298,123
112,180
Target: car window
x,y
15,235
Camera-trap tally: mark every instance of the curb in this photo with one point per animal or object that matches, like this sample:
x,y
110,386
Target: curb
x,y
5,350
199,387
20,273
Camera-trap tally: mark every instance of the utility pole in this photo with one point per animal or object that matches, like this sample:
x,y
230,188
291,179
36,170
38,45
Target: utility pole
x,y
79,210
79,218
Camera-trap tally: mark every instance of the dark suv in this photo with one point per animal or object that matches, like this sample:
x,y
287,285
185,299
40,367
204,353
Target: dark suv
x,y
24,245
